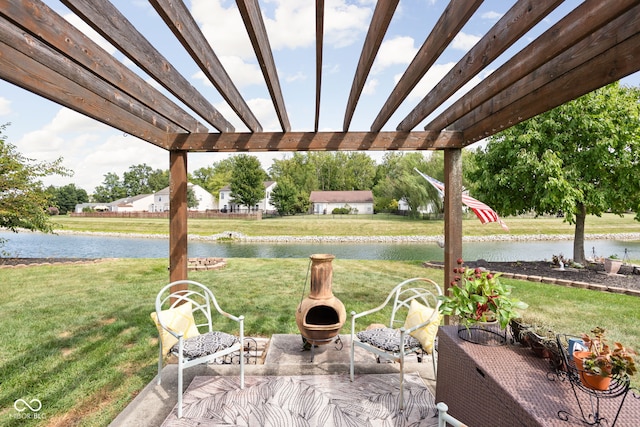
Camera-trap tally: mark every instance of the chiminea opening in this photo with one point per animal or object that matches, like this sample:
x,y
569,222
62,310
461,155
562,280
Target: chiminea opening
x,y
321,315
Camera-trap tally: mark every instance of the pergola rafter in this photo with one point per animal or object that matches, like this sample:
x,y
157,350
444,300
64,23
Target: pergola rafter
x,y
594,44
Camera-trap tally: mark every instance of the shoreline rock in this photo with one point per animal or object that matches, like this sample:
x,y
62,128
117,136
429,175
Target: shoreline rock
x,y
231,236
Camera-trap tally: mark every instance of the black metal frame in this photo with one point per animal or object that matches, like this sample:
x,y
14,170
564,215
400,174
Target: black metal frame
x,y
482,333
619,388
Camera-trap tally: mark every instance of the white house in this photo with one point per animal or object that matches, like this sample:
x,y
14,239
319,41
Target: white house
x,y
226,205
359,202
139,203
206,201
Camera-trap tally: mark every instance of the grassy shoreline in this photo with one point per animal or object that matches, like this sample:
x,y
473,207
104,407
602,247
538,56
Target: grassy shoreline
x,y
364,226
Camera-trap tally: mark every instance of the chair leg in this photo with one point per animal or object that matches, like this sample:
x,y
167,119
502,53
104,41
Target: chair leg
x,y
160,365
242,365
180,388
433,360
401,398
352,361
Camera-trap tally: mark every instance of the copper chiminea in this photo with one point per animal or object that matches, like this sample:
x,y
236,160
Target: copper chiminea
x,y
321,315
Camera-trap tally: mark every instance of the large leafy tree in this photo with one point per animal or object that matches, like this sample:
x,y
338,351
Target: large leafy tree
x,y
66,198
213,178
247,180
285,196
581,158
110,190
397,180
143,179
23,199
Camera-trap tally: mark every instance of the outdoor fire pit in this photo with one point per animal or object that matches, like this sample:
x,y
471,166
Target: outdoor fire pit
x,y
320,315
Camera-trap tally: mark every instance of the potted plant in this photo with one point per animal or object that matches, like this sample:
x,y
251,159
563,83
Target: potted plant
x,y
600,362
612,264
478,296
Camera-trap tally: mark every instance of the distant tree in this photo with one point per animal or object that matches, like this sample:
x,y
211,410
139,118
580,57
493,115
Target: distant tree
x,y
360,172
142,179
298,169
110,190
23,200
397,180
215,177
192,200
285,196
66,198
158,179
247,181
581,158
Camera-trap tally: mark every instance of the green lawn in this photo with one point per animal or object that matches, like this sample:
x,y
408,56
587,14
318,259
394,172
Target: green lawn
x,y
349,225
79,337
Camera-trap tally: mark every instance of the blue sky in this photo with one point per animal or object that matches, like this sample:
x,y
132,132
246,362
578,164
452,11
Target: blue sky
x,y
43,130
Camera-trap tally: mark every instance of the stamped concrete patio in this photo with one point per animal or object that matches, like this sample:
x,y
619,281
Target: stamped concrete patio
x,y
283,356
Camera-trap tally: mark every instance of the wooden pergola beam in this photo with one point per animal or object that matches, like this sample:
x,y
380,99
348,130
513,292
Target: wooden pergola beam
x,y
612,65
598,43
456,14
578,24
314,141
37,19
252,17
178,214
45,55
104,18
319,45
177,17
523,16
377,29
27,73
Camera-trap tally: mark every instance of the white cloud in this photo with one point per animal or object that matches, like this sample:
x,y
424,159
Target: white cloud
x,y
399,50
370,87
433,76
223,28
89,148
297,76
464,41
244,74
5,106
491,15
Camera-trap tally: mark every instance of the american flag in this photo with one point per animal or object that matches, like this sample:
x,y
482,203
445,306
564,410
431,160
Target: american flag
x,y
484,213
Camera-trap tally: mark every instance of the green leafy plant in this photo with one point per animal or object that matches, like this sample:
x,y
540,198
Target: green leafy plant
x,y
604,360
477,295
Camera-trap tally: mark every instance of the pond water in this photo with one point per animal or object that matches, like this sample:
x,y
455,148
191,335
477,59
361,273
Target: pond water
x,y
38,245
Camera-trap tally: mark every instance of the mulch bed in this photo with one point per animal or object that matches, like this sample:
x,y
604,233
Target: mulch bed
x,y
628,278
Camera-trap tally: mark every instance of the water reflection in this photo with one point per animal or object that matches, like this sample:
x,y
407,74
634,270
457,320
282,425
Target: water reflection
x,y
37,245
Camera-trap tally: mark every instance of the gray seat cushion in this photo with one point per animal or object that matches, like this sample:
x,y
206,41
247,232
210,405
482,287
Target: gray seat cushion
x,y
205,344
387,339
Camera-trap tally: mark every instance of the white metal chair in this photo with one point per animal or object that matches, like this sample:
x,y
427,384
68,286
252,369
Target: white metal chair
x,y
444,419
180,316
412,326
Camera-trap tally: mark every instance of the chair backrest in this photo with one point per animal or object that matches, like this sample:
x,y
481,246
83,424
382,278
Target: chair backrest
x,y
423,290
200,297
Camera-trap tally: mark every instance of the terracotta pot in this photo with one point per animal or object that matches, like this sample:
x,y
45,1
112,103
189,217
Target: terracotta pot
x,y
592,381
612,266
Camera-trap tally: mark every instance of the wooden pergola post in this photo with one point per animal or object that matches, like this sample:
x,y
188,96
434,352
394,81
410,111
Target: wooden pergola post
x,y
177,216
452,213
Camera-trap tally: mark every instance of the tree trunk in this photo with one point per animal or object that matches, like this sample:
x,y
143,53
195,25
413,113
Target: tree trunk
x,y
578,238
